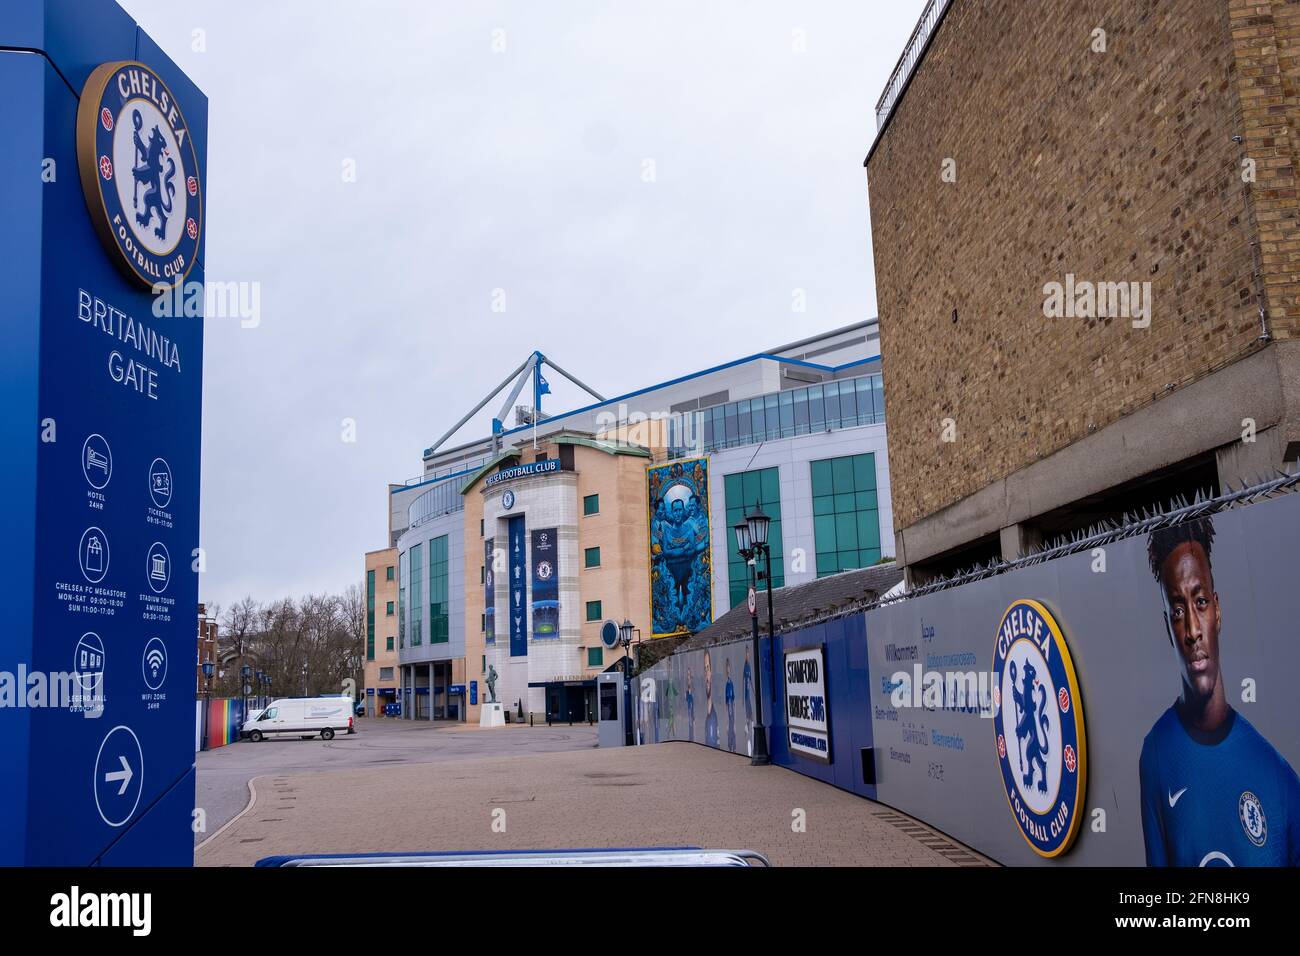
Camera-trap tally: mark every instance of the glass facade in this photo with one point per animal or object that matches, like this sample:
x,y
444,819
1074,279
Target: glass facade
x,y
439,608
417,594
846,517
742,490
401,600
370,615
844,403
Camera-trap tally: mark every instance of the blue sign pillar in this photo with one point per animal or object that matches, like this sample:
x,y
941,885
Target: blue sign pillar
x,y
102,155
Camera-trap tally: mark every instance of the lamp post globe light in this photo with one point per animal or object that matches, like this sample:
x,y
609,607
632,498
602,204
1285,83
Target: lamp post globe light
x,y
751,543
625,633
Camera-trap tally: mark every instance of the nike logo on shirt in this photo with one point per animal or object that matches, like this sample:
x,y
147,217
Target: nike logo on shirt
x,y
1175,797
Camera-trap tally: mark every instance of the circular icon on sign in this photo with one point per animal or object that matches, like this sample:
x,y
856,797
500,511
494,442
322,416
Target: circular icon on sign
x,y
158,567
149,221
97,462
508,500
93,555
160,482
88,664
155,663
752,601
544,570
609,634
119,776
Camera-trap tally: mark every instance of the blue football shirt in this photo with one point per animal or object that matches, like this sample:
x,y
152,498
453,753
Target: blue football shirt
x,y
1226,800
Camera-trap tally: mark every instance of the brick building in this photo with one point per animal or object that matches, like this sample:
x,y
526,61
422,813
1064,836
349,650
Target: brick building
x,y
380,672
1094,144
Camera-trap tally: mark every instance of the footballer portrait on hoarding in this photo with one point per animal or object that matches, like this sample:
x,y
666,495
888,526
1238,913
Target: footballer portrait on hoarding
x,y
1214,792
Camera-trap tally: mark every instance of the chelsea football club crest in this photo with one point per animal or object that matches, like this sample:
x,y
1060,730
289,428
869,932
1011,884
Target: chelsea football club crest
x,y
140,173
508,500
1253,820
1038,723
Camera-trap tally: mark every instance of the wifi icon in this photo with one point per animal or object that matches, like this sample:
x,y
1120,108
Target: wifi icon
x,y
155,663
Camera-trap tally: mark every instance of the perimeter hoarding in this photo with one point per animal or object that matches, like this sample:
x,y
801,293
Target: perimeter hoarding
x,y
101,400
1130,705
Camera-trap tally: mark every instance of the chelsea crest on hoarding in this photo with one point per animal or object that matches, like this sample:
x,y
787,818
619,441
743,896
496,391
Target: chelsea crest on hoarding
x,y
140,172
1038,722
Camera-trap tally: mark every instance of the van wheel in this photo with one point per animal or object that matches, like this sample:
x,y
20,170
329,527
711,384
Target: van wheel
x,y
255,736
327,734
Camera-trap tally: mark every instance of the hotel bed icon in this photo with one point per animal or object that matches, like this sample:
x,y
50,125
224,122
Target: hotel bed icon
x,y
96,461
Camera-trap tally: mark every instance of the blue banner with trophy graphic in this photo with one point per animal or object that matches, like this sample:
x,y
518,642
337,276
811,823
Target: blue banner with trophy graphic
x,y
518,590
546,585
489,595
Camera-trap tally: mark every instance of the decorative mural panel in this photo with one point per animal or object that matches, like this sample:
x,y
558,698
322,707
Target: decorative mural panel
x,y
681,566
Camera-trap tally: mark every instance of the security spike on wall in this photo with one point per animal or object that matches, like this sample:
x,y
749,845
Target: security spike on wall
x,y
1106,532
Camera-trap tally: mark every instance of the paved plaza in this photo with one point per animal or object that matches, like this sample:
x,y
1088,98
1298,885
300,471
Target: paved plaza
x,y
402,786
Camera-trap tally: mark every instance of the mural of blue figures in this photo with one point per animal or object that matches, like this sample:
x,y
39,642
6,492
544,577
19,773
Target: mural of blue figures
x,y
681,566
705,696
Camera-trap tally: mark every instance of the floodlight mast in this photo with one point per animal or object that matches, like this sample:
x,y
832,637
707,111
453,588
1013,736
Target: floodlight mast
x,y
531,366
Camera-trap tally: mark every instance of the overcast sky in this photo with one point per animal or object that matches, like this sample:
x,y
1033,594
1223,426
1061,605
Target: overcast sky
x,y
479,168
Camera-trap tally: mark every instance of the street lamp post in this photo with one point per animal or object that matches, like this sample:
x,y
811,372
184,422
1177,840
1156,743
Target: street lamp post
x,y
208,667
625,632
751,542
245,673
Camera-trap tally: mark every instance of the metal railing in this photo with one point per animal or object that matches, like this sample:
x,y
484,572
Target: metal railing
x,y
930,17
441,499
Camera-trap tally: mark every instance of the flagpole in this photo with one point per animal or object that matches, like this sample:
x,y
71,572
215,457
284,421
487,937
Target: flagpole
x,y
537,394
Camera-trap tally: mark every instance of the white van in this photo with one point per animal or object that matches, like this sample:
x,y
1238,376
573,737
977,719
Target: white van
x,y
303,717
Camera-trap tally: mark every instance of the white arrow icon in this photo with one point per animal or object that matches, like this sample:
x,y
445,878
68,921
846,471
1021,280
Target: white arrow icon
x,y
125,775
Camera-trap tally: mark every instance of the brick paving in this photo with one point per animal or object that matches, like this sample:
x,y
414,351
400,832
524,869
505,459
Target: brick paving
x,y
662,795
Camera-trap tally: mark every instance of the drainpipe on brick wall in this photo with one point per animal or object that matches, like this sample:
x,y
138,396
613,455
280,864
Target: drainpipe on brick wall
x,y
1257,260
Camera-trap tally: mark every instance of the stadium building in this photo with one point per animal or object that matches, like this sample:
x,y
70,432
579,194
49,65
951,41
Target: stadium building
x,y
520,553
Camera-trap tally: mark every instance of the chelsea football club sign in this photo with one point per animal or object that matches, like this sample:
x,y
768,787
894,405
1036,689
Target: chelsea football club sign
x,y
1038,722
140,173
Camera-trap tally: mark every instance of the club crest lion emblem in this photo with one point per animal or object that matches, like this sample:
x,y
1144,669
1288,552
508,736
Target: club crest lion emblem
x,y
140,173
1038,727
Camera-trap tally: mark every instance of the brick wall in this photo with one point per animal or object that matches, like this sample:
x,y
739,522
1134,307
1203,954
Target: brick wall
x,y
1116,166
